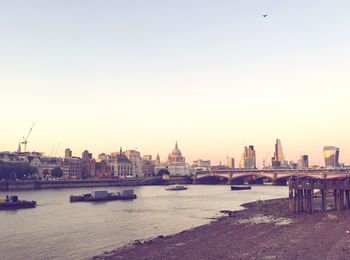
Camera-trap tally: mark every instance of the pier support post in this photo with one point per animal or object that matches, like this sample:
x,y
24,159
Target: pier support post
x,y
324,195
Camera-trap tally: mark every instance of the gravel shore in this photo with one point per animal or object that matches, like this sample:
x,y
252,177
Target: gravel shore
x,y
264,230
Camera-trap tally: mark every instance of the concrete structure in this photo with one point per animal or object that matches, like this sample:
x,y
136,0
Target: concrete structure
x,y
331,156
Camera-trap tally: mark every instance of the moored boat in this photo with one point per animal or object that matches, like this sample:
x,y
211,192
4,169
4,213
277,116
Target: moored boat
x,y
12,203
103,196
241,187
176,187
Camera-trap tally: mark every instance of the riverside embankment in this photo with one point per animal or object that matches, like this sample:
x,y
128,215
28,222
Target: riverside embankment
x,y
54,184
264,230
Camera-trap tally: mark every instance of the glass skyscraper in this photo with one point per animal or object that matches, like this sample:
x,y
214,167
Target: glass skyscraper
x,y
331,156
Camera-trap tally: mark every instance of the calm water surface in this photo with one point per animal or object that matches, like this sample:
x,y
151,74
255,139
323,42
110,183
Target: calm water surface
x,y
57,229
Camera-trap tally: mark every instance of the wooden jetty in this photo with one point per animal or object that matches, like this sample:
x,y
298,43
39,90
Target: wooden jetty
x,y
301,194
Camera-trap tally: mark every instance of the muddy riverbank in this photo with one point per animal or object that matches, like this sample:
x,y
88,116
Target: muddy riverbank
x,y
264,230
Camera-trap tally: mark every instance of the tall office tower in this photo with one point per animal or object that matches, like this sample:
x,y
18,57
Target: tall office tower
x,y
278,151
331,156
249,157
68,153
230,162
278,159
242,161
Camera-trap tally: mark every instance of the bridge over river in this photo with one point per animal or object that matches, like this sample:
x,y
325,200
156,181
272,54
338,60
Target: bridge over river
x,y
275,176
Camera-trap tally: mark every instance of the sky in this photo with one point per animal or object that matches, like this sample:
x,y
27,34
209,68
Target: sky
x,y
213,75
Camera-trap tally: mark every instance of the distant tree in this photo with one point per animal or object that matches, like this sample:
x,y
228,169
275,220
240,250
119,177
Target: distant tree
x,y
46,172
57,172
163,172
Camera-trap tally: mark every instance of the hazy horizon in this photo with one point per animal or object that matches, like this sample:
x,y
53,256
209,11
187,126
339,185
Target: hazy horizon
x,y
214,76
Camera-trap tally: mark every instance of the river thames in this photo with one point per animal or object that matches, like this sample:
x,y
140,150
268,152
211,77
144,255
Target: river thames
x,y
57,229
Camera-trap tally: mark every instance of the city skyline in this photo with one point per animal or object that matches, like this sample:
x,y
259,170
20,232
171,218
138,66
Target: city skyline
x,y
214,76
267,160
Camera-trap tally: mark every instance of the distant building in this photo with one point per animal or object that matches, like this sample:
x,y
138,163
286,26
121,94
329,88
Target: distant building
x,y
249,157
86,155
121,165
72,168
176,158
49,163
242,161
158,160
230,162
68,153
331,156
303,162
201,163
278,160
175,163
147,157
103,169
136,160
148,168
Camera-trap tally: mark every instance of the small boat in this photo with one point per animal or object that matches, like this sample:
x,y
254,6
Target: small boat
x,y
176,187
12,203
103,196
241,187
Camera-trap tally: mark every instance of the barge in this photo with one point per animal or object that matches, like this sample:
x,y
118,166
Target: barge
x,y
176,187
103,196
241,187
13,203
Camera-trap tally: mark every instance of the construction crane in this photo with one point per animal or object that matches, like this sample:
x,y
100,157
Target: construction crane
x,y
25,140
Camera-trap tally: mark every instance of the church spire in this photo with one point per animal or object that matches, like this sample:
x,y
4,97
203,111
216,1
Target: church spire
x,y
176,145
19,147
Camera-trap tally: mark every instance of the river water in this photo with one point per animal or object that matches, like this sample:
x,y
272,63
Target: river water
x,y
57,229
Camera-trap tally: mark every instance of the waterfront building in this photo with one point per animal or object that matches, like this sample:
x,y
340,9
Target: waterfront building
x,y
230,162
331,156
68,153
88,165
121,165
49,163
148,168
103,169
72,168
136,160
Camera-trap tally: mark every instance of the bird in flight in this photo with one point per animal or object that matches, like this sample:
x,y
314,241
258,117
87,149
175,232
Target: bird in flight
x,y
264,15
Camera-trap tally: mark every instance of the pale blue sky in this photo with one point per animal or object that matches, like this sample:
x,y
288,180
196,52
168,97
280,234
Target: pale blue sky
x,y
214,75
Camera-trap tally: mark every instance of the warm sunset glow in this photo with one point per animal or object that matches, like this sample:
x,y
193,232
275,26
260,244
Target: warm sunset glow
x,y
215,76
